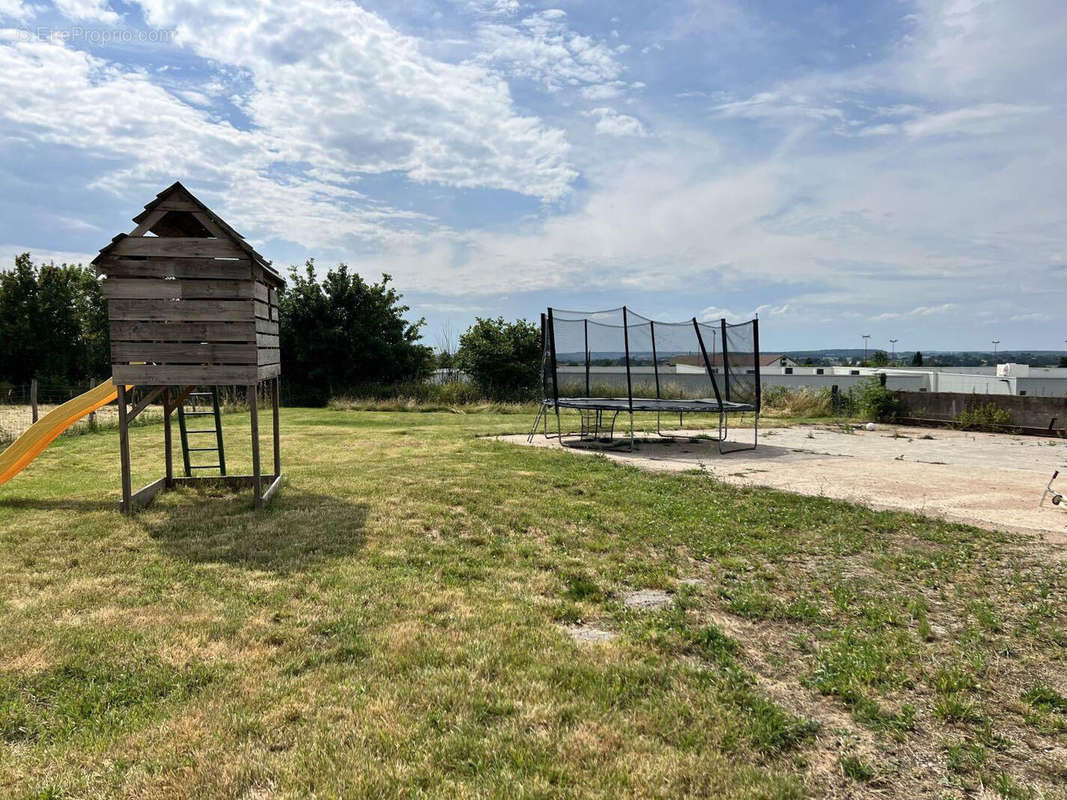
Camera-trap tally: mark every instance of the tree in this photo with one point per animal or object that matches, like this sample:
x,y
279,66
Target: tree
x,y
53,323
917,359
503,358
19,351
342,333
880,358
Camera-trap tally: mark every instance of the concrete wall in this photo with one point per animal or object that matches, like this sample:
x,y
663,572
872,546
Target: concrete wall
x,y
908,383
1030,412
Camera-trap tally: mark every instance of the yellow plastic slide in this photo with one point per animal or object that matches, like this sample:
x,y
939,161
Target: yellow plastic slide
x,y
28,446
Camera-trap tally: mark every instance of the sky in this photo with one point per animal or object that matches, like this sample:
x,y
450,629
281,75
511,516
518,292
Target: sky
x,y
891,168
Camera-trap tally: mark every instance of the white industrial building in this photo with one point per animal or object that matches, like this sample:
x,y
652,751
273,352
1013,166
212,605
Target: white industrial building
x,y
1006,379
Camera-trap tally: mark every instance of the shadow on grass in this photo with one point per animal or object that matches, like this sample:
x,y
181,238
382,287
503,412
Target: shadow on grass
x,y
57,504
299,530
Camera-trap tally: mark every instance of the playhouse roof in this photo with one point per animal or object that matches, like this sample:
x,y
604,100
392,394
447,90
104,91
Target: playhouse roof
x,y
178,213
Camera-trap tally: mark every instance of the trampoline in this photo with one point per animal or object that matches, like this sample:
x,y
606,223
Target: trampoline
x,y
606,363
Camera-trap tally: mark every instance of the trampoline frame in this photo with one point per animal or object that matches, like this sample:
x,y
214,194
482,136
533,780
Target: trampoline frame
x,y
592,409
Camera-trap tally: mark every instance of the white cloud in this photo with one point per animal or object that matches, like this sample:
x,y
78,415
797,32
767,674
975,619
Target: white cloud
x,y
337,93
58,95
980,119
14,9
544,49
95,10
604,91
339,87
780,106
715,313
42,256
984,50
920,311
494,8
612,123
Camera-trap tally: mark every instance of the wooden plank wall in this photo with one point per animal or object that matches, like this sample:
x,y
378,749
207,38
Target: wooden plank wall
x,y
267,326
187,320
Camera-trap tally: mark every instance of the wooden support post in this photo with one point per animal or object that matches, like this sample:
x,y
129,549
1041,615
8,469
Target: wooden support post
x,y
33,398
124,451
257,481
275,393
168,440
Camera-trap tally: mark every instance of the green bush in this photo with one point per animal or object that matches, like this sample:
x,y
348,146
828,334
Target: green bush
x,y
503,358
983,417
876,402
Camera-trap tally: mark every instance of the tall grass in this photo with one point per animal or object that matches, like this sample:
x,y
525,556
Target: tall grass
x,y
457,396
783,401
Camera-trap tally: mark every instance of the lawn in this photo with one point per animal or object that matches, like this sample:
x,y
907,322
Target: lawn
x,y
400,624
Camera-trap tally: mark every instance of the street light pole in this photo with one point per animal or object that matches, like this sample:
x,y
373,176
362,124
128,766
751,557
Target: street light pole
x,y
893,342
866,336
995,343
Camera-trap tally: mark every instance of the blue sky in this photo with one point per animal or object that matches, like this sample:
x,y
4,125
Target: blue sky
x,y
893,168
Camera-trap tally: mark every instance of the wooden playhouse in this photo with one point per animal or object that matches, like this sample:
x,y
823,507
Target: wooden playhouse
x,y
190,304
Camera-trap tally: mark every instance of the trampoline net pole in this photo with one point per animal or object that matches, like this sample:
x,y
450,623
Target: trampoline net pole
x,y
544,360
726,367
629,382
755,362
655,357
707,362
552,350
585,327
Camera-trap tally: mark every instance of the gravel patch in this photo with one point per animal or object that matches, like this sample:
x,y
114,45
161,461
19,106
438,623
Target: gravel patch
x,y
589,634
647,600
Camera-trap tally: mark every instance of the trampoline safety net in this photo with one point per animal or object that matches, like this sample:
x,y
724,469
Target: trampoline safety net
x,y
619,361
619,355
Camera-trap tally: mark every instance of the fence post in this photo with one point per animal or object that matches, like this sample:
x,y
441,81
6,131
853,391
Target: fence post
x,y
33,398
92,414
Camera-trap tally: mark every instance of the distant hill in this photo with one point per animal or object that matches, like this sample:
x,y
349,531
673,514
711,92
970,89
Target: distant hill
x,y
946,358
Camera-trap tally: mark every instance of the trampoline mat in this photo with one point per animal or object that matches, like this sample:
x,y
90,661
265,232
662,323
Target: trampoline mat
x,y
706,405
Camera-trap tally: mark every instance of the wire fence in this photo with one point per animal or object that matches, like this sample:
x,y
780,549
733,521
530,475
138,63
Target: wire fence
x,y
23,404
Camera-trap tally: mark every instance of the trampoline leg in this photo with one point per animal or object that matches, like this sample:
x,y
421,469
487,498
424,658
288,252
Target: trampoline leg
x,y
559,426
537,421
755,438
631,431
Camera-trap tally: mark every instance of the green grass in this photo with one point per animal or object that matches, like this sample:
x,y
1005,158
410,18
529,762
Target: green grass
x,y
395,625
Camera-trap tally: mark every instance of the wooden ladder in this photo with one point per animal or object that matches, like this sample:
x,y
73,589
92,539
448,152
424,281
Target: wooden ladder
x,y
198,411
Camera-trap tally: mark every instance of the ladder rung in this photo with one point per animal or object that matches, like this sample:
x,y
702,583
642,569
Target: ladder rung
x,y
203,449
205,466
199,394
199,413
206,430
